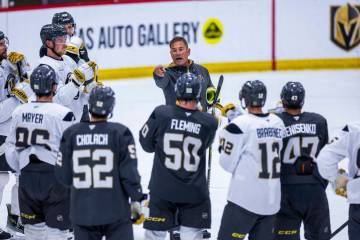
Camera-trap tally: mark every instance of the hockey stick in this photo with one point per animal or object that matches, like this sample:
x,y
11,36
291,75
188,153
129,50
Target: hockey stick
x,y
174,233
339,229
2,149
213,105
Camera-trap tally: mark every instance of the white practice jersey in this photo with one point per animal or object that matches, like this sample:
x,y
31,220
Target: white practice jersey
x,y
67,94
250,150
7,103
36,128
346,145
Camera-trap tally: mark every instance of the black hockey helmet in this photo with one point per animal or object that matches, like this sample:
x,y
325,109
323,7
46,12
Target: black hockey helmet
x,y
293,95
42,79
101,101
51,31
253,93
63,18
3,36
188,87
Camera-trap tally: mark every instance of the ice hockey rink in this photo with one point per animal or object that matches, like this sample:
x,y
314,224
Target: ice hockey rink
x,y
334,94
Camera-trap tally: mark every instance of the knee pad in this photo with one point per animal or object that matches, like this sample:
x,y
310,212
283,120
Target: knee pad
x,y
155,235
188,233
56,234
35,231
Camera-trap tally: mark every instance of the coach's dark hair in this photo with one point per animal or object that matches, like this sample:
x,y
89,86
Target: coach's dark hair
x,y
178,39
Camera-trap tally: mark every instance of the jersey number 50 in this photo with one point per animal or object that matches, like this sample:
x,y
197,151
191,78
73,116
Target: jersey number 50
x,y
181,157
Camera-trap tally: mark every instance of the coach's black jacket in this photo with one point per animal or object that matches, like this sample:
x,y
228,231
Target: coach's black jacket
x,y
173,72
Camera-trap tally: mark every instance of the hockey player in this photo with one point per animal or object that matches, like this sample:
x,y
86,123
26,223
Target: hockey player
x,y
74,86
32,147
250,148
165,78
303,196
53,38
65,19
14,90
98,161
345,145
179,135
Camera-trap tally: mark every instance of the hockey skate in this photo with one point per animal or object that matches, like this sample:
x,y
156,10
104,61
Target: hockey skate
x,y
4,235
14,225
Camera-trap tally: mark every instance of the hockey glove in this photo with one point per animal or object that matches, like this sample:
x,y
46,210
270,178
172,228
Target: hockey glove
x,y
92,83
21,90
210,95
15,57
340,183
304,165
84,74
231,111
18,64
137,214
73,45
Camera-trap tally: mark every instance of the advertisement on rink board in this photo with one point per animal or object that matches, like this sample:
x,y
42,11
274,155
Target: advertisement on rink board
x,y
137,35
226,35
126,36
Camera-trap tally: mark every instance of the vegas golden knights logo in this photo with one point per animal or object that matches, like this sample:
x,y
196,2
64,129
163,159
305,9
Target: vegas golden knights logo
x,y
345,26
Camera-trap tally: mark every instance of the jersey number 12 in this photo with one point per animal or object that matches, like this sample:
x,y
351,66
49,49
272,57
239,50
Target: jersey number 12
x,y
270,151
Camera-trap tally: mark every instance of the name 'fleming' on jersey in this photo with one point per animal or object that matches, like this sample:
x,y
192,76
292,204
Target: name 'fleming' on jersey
x,y
186,126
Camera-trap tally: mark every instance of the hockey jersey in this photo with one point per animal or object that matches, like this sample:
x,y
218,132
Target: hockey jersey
x,y
346,144
179,138
67,93
250,148
36,128
305,135
99,163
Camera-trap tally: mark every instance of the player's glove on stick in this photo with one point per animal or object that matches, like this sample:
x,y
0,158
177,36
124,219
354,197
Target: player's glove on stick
x,y
210,95
137,215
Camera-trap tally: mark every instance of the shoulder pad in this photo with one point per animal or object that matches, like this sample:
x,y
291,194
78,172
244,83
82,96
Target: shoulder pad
x,y
69,117
233,128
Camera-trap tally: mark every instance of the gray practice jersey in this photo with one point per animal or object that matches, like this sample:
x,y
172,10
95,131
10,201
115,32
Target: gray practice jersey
x,y
179,138
36,128
346,144
305,135
250,149
98,161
